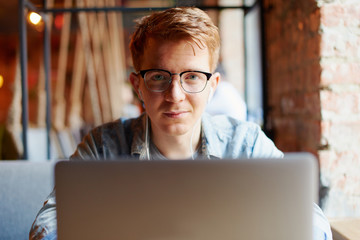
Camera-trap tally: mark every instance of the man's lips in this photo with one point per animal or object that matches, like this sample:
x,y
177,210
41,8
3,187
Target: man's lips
x,y
175,114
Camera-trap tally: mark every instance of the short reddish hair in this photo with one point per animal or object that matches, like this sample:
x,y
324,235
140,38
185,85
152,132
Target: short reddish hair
x,y
176,23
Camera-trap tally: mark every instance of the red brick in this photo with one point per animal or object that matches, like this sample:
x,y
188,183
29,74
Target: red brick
x,y
342,136
331,14
313,48
314,23
337,14
313,73
328,160
352,18
312,104
343,72
288,140
340,43
340,103
343,168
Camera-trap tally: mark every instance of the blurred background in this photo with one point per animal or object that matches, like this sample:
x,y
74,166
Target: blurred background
x,y
293,67
89,63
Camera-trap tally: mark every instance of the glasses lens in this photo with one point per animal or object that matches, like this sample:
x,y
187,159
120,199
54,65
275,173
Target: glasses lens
x,y
157,80
193,82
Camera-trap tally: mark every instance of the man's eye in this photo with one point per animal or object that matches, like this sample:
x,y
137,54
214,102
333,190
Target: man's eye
x,y
192,77
158,77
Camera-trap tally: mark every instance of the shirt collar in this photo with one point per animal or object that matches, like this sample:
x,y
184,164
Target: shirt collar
x,y
138,147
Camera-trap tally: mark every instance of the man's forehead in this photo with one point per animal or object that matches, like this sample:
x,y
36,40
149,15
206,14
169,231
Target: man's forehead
x,y
182,45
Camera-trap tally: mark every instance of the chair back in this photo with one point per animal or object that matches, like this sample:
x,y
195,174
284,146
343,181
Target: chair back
x,y
24,186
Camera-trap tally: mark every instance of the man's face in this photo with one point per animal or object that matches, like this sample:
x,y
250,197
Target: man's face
x,y
174,112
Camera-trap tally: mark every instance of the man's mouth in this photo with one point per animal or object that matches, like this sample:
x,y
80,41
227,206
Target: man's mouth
x,y
175,114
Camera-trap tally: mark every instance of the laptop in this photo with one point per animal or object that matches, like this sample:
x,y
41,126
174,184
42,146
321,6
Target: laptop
x,y
251,199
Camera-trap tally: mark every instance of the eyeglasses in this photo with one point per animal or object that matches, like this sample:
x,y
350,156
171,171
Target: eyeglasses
x,y
158,80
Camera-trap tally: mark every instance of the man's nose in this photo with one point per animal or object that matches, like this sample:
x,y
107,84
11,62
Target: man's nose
x,y
175,92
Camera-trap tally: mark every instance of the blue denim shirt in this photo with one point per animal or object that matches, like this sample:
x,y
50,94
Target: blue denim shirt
x,y
230,138
221,137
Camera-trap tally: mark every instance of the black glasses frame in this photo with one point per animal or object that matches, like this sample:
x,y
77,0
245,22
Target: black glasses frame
x,y
143,72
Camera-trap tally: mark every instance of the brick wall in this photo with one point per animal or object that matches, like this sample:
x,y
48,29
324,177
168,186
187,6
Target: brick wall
x,y
340,105
313,69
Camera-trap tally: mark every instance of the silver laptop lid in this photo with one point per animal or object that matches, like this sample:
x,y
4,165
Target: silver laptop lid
x,y
202,199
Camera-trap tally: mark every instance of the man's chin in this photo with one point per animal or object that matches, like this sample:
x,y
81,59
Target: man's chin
x,y
176,129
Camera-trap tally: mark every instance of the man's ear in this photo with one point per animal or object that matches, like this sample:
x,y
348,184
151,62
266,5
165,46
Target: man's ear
x,y
135,82
216,78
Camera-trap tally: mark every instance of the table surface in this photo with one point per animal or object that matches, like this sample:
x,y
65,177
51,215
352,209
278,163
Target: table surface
x,y
345,229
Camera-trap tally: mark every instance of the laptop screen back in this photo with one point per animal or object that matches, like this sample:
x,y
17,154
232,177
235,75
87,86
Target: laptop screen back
x,y
202,199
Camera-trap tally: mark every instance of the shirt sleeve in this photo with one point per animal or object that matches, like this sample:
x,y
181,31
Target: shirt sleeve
x,y
321,225
45,221
264,147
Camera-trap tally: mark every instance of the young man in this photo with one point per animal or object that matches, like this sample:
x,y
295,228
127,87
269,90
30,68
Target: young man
x,y
175,53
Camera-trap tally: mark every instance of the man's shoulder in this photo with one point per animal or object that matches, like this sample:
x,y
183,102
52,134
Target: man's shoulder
x,y
229,136
229,129
120,123
109,140
110,132
226,123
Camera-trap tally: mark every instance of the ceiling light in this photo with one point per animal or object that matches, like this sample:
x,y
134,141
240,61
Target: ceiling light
x,y
34,18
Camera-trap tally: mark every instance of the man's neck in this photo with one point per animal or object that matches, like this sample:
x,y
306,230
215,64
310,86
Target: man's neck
x,y
177,147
